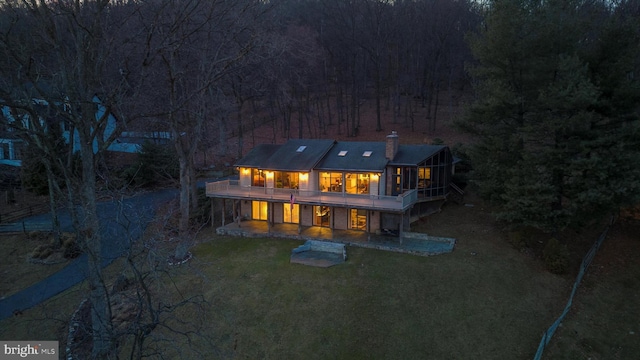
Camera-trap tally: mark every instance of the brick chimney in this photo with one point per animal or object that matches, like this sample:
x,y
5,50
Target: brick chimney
x,y
391,148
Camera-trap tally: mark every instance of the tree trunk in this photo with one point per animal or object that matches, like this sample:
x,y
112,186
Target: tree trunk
x,y
55,222
103,344
183,225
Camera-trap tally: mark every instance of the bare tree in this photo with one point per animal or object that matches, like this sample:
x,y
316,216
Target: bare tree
x,y
191,45
66,56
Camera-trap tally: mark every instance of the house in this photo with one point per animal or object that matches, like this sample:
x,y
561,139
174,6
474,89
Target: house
x,y
372,187
11,151
127,142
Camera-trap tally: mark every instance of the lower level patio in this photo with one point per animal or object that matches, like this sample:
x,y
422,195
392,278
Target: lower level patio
x,y
411,243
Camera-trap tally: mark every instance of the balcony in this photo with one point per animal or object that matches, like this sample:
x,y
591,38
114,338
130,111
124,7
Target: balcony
x,y
230,189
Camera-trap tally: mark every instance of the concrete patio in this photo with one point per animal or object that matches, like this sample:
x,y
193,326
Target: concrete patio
x,y
412,243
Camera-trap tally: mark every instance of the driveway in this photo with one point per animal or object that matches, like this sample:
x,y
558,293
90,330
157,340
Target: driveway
x,y
120,223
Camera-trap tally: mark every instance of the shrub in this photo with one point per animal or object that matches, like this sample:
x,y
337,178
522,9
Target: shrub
x,y
37,251
556,256
42,252
156,163
71,248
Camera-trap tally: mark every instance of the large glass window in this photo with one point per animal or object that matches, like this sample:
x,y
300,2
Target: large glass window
x,y
330,181
322,216
409,178
356,183
424,177
397,182
257,177
291,213
259,210
358,219
286,180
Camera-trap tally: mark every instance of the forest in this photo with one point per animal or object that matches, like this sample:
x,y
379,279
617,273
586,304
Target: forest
x,y
550,87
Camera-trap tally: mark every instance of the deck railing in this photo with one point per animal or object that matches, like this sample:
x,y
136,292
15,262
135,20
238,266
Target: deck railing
x,y
232,189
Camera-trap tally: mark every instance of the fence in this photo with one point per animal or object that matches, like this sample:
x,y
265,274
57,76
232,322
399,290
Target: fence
x,y
546,336
12,216
25,227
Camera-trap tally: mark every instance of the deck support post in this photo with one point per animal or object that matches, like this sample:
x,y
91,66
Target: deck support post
x,y
269,215
212,213
299,219
224,205
331,220
400,228
369,225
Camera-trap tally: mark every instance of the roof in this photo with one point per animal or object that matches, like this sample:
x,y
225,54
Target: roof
x,y
350,155
415,154
294,155
258,156
329,155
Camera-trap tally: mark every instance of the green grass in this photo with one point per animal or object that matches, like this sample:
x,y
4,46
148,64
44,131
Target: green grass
x,y
377,305
492,305
604,322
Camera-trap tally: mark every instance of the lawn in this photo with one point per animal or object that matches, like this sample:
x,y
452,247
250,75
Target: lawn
x,y
604,322
17,272
486,300
377,305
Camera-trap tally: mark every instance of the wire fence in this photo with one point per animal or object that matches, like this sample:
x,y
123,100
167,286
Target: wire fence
x,y
586,261
14,215
23,226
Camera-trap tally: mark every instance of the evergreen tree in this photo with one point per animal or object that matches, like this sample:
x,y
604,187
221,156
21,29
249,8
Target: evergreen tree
x,y
556,111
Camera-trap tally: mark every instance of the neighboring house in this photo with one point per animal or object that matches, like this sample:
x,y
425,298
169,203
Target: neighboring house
x,y
11,151
127,142
367,186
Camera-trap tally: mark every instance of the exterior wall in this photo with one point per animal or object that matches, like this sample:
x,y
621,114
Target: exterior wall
x,y
278,213
312,182
388,181
374,186
340,218
245,177
374,221
245,209
306,215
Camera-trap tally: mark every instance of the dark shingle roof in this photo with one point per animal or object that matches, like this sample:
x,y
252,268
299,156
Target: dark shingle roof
x,y
415,154
324,155
286,157
258,156
353,159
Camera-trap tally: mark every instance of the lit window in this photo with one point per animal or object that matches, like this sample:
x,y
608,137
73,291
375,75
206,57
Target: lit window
x,y
342,153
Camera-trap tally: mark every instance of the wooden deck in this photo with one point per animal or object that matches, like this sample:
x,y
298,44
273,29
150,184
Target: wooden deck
x,y
231,190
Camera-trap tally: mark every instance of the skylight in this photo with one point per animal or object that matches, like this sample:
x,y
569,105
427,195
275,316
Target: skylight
x,y
367,153
301,148
342,153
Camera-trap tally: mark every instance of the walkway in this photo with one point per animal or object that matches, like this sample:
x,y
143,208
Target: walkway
x,y
412,243
121,222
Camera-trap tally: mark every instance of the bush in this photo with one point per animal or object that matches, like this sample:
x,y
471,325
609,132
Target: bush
x,y
556,256
71,248
42,252
155,163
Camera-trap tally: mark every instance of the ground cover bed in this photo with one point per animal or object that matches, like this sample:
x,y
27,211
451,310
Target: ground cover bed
x,y
17,268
